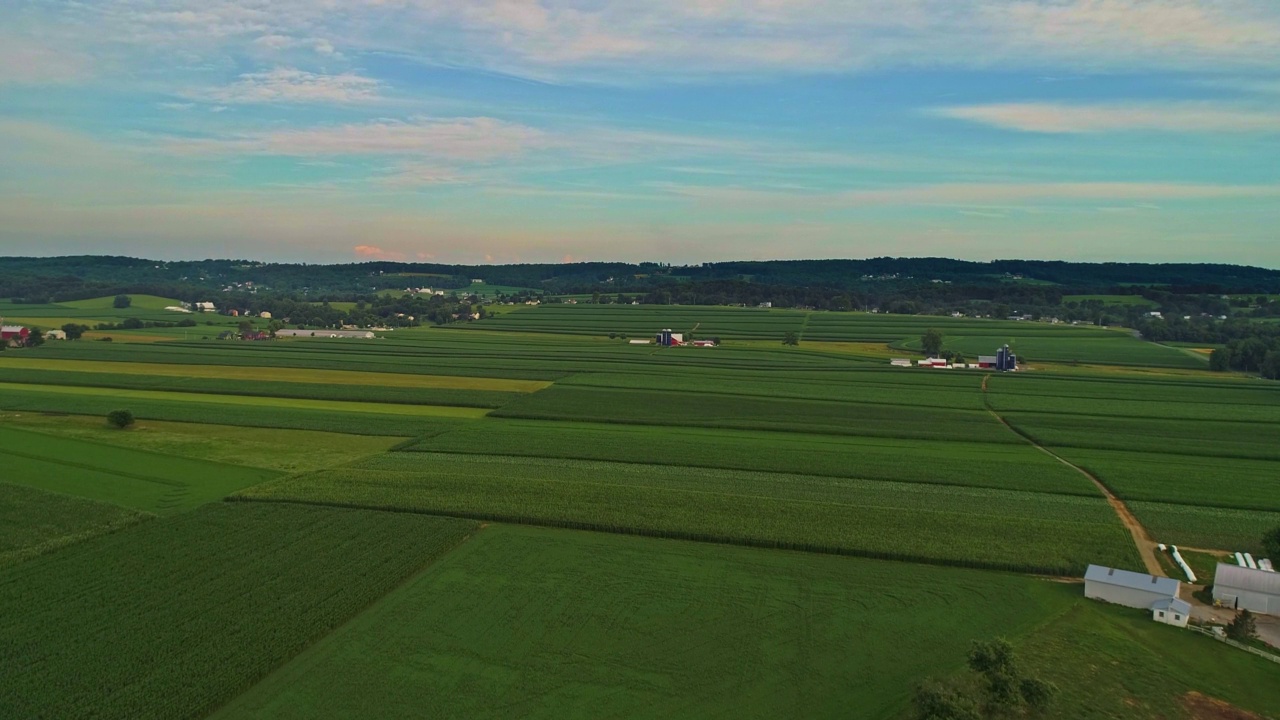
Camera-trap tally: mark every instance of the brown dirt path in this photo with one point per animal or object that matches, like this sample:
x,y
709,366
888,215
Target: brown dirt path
x,y
1141,538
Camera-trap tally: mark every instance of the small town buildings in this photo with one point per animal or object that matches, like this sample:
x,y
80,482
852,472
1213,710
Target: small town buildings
x,y
1131,589
1171,611
1243,588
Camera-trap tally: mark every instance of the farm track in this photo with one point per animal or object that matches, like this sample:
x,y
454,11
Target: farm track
x,y
1141,538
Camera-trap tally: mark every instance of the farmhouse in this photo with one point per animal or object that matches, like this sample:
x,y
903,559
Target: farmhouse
x,y
1243,588
204,307
1136,590
14,334
55,335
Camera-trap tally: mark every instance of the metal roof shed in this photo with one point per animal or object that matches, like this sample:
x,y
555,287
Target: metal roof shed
x,y
1244,588
1131,589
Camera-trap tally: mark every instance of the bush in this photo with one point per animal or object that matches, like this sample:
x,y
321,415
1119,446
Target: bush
x,y
122,301
120,418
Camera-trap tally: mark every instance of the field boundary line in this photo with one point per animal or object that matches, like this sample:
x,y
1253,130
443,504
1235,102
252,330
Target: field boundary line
x,y
1141,538
708,538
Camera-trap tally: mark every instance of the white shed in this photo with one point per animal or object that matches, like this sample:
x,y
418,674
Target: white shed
x,y
1131,589
1242,588
1171,611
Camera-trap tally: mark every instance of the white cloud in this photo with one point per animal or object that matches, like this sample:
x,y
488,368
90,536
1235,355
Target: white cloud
x,y
1165,117
298,86
27,62
470,139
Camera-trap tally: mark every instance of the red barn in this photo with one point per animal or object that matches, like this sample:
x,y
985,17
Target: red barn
x,y
14,334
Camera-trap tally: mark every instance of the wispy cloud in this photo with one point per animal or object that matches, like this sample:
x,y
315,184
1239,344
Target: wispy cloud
x,y
373,252
298,86
1164,117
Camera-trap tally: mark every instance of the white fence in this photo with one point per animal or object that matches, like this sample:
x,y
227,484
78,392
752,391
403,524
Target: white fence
x,y
1233,643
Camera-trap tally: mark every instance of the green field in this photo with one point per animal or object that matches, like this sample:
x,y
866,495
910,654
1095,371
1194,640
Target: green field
x,y
601,626
1110,299
970,527
34,522
137,479
172,618
750,530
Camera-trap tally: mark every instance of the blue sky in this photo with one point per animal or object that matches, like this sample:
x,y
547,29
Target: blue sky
x,y
673,130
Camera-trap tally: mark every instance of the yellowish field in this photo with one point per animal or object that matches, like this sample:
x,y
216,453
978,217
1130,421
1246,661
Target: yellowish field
x,y
269,448
330,405
126,337
266,374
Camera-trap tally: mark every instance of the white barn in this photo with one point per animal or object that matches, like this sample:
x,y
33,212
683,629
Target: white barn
x,y
1242,588
1131,589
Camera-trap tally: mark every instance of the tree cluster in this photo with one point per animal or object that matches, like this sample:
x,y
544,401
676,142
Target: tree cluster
x,y
997,687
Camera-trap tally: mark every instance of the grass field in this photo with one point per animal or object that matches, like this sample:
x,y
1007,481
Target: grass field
x,y
34,522
971,527
538,623
172,618
124,476
1110,299
269,448
1207,527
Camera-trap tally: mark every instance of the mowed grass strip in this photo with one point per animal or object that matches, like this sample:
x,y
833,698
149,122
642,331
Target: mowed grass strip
x,y
133,478
172,618
34,522
540,623
276,374
971,527
124,396
269,448
1010,467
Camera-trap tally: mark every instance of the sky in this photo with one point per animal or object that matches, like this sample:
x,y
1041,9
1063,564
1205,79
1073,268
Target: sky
x,y
682,131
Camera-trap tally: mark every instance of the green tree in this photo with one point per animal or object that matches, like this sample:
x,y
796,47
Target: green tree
x,y
1271,544
1037,694
931,342
120,418
935,701
1271,365
74,331
790,338
121,302
35,338
245,326
1243,628
1220,360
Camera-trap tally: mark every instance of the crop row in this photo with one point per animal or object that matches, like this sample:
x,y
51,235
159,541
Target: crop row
x,y
651,407
1200,481
171,618
1012,467
1258,441
314,391
1207,527
34,522
970,527
181,410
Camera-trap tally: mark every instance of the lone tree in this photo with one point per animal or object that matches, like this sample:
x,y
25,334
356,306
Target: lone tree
x,y
790,338
120,418
1271,544
1243,628
931,342
74,331
997,688
122,301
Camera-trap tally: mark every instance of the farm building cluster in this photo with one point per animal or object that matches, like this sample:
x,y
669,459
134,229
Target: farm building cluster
x,y
1004,361
1247,587
1159,595
14,335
